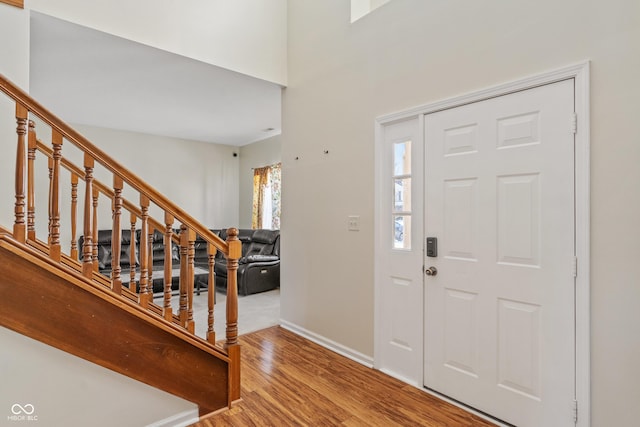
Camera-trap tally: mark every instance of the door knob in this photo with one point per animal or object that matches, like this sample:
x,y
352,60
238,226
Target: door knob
x,y
431,271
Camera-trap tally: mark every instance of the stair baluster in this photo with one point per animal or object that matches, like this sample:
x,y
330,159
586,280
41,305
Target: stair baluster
x,y
49,194
168,265
31,203
211,252
116,237
55,250
144,295
132,253
74,215
191,251
184,249
94,252
150,235
87,248
19,228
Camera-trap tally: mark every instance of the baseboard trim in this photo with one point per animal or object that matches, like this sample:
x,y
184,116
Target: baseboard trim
x,y
405,380
182,419
325,342
469,409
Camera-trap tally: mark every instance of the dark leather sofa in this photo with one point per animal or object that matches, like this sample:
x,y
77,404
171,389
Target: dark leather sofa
x,y
258,269
157,267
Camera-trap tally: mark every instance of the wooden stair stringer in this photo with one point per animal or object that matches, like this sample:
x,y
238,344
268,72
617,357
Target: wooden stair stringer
x,y
59,307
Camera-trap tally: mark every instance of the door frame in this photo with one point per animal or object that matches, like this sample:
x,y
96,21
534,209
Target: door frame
x,y
580,74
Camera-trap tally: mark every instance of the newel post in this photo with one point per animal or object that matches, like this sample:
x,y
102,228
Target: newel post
x,y
235,252
19,226
231,344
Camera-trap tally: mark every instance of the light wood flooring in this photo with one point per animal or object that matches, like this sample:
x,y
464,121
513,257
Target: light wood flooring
x,y
290,381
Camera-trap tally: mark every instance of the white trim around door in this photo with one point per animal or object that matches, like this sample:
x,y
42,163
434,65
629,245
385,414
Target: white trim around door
x,y
580,75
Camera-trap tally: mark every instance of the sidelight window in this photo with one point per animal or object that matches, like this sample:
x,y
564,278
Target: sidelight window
x,y
401,210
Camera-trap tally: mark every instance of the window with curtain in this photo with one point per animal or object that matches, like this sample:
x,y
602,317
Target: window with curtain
x,y
266,197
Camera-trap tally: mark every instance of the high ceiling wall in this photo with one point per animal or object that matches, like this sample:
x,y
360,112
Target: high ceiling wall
x,y
246,36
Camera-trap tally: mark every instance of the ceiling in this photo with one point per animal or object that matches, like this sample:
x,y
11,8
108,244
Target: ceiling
x,y
92,78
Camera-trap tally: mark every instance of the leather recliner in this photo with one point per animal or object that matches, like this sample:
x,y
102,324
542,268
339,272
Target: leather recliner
x,y
259,267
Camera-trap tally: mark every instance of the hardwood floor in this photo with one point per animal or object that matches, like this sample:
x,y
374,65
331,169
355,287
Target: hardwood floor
x,y
290,381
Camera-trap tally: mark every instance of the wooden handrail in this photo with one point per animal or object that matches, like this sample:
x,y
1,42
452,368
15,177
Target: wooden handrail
x,y
16,3
109,163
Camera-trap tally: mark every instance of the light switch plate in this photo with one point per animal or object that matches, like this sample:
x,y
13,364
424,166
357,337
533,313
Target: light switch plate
x,y
353,223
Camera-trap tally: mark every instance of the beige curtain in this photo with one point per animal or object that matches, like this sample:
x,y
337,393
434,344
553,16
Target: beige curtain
x,y
276,178
266,197
260,180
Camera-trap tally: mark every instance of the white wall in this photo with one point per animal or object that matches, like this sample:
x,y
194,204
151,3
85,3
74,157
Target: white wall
x,y
65,390
14,64
246,36
411,52
201,178
259,154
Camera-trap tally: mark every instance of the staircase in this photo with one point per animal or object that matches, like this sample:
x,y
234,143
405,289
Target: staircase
x,y
49,294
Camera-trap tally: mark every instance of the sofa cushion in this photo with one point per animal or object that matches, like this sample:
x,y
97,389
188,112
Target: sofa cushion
x,y
265,236
245,234
262,243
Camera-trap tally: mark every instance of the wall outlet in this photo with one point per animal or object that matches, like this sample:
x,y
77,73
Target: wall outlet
x,y
353,223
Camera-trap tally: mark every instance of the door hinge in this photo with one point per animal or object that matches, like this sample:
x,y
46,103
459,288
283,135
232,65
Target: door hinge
x,y
574,123
574,266
575,411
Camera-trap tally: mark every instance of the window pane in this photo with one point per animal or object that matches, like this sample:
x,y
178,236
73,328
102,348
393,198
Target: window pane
x,y
402,195
402,232
402,158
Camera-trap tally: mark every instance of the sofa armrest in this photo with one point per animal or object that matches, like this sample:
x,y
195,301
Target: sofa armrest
x,y
258,258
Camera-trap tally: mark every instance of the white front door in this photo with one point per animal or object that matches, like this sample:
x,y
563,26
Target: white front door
x,y
499,313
